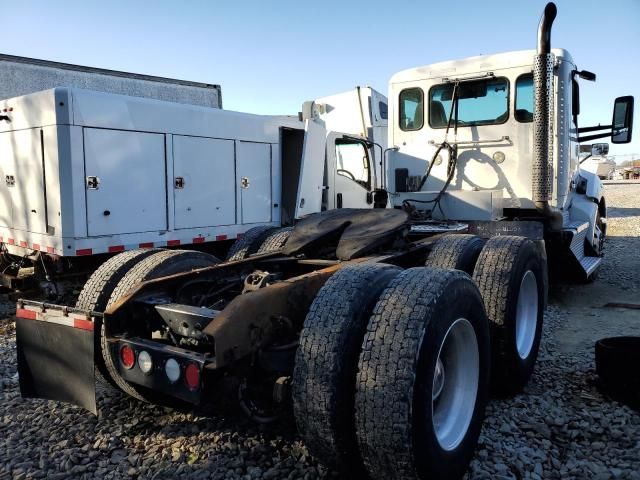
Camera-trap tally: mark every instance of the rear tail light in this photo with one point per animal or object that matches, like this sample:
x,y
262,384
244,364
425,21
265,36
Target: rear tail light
x,y
172,370
192,376
145,362
127,356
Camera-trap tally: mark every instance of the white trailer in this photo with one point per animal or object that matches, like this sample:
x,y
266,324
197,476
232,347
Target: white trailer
x,y
86,173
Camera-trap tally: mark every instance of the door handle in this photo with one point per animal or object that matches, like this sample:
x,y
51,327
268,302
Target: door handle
x,y
93,183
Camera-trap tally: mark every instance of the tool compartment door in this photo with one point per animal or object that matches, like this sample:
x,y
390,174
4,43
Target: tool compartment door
x,y
204,183
6,169
254,181
23,193
125,181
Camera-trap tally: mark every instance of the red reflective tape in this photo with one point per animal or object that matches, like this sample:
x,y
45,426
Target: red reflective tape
x,y
84,251
36,246
198,240
1,239
11,241
51,250
23,243
116,248
173,243
83,324
28,314
146,245
221,237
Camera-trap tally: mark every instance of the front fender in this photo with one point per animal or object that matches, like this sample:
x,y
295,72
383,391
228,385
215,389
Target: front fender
x,y
594,186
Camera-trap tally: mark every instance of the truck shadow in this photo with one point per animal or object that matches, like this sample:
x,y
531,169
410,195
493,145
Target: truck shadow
x,y
615,212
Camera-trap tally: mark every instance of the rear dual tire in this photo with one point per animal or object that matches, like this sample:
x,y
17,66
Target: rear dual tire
x,y
422,382
116,278
372,343
458,251
160,264
511,275
327,359
96,293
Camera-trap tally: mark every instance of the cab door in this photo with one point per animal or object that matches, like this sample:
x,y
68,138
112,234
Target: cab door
x,y
354,177
311,184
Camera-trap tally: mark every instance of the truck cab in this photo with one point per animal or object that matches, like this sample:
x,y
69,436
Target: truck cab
x,y
496,137
344,143
494,131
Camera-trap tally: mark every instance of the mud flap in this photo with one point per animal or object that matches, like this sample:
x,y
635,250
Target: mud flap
x,y
56,357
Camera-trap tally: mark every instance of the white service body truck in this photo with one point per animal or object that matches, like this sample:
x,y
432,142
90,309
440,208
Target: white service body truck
x,y
86,173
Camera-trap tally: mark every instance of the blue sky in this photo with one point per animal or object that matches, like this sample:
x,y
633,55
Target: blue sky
x,y
269,57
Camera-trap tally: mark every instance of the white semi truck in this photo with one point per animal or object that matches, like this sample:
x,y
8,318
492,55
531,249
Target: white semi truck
x,y
384,328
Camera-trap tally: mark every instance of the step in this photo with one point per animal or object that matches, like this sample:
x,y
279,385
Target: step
x,y
589,264
579,231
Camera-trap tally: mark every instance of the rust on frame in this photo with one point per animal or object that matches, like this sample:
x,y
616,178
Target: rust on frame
x,y
251,320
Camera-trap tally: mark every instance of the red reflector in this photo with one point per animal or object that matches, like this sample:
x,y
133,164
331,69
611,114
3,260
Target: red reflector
x,y
173,243
83,324
11,241
146,245
128,356
192,376
28,314
221,237
198,240
84,251
23,243
51,250
116,248
36,246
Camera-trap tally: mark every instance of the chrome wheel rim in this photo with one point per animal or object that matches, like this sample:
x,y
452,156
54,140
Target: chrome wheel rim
x,y
455,384
527,314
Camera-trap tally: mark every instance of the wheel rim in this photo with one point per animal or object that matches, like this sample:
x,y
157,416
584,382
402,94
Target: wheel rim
x,y
455,384
527,314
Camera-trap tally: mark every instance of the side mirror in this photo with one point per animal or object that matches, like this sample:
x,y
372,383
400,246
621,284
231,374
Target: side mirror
x,y
622,123
599,149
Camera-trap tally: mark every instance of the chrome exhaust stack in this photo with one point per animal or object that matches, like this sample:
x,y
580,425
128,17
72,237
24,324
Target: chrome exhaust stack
x,y
542,165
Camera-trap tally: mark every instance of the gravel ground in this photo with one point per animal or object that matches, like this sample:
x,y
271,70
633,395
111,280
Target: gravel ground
x,y
561,427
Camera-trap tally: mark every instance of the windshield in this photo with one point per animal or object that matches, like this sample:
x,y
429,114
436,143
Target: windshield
x,y
480,102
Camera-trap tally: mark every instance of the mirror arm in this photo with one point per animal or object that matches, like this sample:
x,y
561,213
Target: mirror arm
x,y
594,129
594,137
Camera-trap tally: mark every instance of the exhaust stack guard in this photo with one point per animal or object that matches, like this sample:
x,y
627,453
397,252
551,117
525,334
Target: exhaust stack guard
x,y
542,166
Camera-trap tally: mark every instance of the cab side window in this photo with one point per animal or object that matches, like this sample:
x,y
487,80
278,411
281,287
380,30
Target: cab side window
x,y
352,161
524,98
411,109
